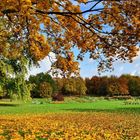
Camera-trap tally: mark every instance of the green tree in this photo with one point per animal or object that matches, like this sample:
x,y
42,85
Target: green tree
x,y
134,86
39,79
17,88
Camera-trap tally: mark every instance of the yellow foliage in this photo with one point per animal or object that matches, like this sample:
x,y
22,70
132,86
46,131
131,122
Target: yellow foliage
x,y
64,26
70,126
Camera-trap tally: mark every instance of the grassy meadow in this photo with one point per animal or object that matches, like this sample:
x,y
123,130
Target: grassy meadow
x,y
76,118
71,104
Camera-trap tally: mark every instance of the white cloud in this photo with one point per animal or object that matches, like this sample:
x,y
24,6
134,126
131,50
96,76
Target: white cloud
x,y
89,67
44,65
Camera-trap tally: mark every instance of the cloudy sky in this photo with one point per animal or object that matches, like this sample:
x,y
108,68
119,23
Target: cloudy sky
x,y
88,67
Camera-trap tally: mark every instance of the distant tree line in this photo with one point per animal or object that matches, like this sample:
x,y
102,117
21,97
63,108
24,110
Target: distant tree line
x,y
113,86
43,85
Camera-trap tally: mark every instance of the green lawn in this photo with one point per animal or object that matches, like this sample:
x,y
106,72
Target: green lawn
x,y
39,106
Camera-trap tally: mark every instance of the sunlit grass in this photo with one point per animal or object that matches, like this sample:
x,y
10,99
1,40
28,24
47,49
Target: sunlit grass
x,y
37,106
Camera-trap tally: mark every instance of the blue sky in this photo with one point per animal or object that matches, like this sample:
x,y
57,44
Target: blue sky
x,y
88,67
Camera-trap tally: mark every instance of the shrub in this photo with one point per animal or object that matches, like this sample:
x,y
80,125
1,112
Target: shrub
x,y
57,97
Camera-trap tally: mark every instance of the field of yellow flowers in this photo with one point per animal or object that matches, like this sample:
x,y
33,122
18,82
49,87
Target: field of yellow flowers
x,y
70,126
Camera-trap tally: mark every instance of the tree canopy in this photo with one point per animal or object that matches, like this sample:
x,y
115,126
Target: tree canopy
x,y
31,29
43,85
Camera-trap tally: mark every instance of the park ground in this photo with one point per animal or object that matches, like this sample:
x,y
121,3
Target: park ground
x,y
76,118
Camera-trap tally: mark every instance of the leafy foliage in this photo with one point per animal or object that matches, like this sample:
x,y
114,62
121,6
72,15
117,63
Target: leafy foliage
x,y
113,86
133,84
71,86
97,86
45,90
12,66
59,126
117,86
42,85
12,80
17,88
32,29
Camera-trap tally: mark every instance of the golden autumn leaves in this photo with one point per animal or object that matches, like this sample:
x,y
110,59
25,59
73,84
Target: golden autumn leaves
x,y
33,29
75,126
40,47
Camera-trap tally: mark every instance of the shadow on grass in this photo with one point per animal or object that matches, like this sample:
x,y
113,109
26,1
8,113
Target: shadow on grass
x,y
8,104
119,110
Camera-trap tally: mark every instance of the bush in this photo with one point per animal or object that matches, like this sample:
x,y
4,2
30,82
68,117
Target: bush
x,y
57,97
